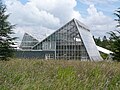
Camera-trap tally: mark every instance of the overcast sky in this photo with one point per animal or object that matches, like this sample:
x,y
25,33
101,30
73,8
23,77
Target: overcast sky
x,y
41,17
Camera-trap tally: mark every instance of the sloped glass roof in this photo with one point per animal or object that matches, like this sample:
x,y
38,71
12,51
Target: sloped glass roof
x,y
28,41
88,41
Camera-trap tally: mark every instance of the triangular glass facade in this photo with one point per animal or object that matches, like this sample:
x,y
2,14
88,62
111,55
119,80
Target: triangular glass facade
x,y
73,41
28,41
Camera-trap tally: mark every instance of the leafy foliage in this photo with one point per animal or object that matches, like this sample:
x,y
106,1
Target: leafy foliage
x,y
105,43
113,43
115,38
6,40
117,13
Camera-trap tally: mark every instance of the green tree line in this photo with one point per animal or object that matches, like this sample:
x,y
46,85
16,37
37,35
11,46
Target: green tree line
x,y
113,42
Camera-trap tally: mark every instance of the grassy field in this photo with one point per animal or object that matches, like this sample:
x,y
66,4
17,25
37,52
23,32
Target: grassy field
x,y
59,75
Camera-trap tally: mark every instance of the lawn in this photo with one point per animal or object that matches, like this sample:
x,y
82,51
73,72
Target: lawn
x,y
35,74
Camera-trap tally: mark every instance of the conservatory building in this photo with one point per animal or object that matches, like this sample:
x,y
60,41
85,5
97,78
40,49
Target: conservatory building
x,y
73,41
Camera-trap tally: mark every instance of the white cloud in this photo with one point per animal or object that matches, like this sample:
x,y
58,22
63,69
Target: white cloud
x,y
45,16
98,22
98,1
97,18
29,15
43,12
63,9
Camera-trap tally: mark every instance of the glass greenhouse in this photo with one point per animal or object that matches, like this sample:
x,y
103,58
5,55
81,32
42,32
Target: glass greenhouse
x,y
73,41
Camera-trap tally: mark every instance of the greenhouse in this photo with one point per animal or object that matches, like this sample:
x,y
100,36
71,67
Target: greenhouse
x,y
73,41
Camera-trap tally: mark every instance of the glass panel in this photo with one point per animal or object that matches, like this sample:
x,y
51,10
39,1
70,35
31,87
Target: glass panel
x,y
28,41
89,43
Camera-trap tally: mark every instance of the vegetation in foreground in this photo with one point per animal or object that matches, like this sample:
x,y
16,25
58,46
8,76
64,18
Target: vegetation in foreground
x,y
59,75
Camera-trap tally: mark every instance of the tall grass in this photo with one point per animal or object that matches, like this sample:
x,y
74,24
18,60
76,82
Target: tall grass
x,y
59,75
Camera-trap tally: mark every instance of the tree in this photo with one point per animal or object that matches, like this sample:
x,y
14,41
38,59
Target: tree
x,y
115,37
6,30
117,13
97,41
105,42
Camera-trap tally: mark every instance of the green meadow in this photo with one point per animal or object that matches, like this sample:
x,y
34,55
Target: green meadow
x,y
35,74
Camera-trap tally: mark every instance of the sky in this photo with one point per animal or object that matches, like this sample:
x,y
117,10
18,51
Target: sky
x,y
42,17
